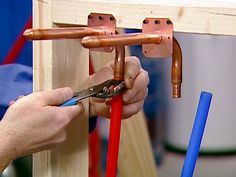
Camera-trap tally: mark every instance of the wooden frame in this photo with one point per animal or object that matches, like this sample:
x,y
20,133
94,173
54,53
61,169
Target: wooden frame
x,y
57,64
192,17
65,63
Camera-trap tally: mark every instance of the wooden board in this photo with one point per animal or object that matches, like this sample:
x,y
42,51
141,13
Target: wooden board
x,y
136,157
57,64
212,17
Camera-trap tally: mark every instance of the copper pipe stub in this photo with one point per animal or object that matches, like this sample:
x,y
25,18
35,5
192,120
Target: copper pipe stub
x,y
121,40
98,24
176,76
63,33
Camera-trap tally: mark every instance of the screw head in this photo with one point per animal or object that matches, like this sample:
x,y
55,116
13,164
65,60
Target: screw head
x,y
112,18
168,22
157,22
145,21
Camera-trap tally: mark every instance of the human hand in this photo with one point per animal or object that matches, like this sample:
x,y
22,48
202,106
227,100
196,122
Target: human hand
x,y
136,80
35,123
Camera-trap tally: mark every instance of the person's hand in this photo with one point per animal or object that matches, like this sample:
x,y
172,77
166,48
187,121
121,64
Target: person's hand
x,y
36,122
136,80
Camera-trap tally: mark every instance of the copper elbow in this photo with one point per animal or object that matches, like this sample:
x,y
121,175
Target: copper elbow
x,y
176,77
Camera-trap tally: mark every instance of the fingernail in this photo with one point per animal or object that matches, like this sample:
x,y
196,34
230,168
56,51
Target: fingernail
x,y
10,103
108,101
81,106
110,110
129,82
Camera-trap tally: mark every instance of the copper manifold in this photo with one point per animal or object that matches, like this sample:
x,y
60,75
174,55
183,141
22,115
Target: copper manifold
x,y
141,38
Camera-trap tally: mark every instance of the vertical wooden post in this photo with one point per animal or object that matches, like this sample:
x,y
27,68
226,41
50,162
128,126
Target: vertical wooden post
x,y
57,64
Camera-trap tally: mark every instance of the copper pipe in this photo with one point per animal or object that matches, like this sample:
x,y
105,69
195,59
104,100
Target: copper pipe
x,y
119,63
176,77
63,33
121,40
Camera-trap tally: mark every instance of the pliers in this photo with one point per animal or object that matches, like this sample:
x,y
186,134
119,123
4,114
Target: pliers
x,y
106,89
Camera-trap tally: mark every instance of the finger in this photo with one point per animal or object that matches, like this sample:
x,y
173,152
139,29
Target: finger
x,y
100,109
139,97
11,103
55,97
108,101
131,109
103,74
73,111
19,97
132,69
140,83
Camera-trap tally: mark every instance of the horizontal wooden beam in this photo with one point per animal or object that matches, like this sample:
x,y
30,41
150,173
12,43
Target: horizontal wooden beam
x,y
204,18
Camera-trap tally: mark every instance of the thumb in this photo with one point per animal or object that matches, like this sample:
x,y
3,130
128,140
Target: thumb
x,y
132,69
57,96
73,111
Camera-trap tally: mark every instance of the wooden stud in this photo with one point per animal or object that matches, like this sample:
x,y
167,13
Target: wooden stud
x,y
57,64
192,17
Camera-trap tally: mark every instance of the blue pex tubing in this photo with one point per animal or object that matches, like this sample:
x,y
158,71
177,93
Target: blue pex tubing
x,y
197,133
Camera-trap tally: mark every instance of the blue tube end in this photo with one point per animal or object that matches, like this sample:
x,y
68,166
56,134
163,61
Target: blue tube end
x,y
205,97
197,134
204,93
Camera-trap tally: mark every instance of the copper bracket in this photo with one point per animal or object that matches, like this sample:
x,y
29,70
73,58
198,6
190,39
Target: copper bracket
x,y
108,22
161,26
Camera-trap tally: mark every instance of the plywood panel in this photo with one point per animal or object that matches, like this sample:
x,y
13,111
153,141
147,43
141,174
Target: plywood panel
x,y
193,17
57,64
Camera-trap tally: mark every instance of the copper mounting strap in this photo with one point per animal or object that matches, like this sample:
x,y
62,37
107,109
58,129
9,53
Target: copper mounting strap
x,y
108,22
161,26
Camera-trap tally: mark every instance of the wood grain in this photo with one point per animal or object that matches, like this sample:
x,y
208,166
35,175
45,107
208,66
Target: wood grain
x,y
57,64
193,17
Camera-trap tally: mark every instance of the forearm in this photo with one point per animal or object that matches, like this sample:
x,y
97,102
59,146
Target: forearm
x,y
4,158
3,165
6,155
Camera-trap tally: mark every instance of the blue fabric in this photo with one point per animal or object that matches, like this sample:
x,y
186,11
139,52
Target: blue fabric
x,y
15,80
14,15
92,123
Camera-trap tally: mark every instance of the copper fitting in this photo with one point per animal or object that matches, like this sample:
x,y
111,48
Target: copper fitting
x,y
135,39
63,33
176,77
121,40
119,63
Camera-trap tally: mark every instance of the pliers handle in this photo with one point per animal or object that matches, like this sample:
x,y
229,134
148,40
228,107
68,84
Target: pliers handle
x,y
106,89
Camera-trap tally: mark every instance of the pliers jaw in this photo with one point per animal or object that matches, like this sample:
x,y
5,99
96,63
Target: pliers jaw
x,y
110,88
104,90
